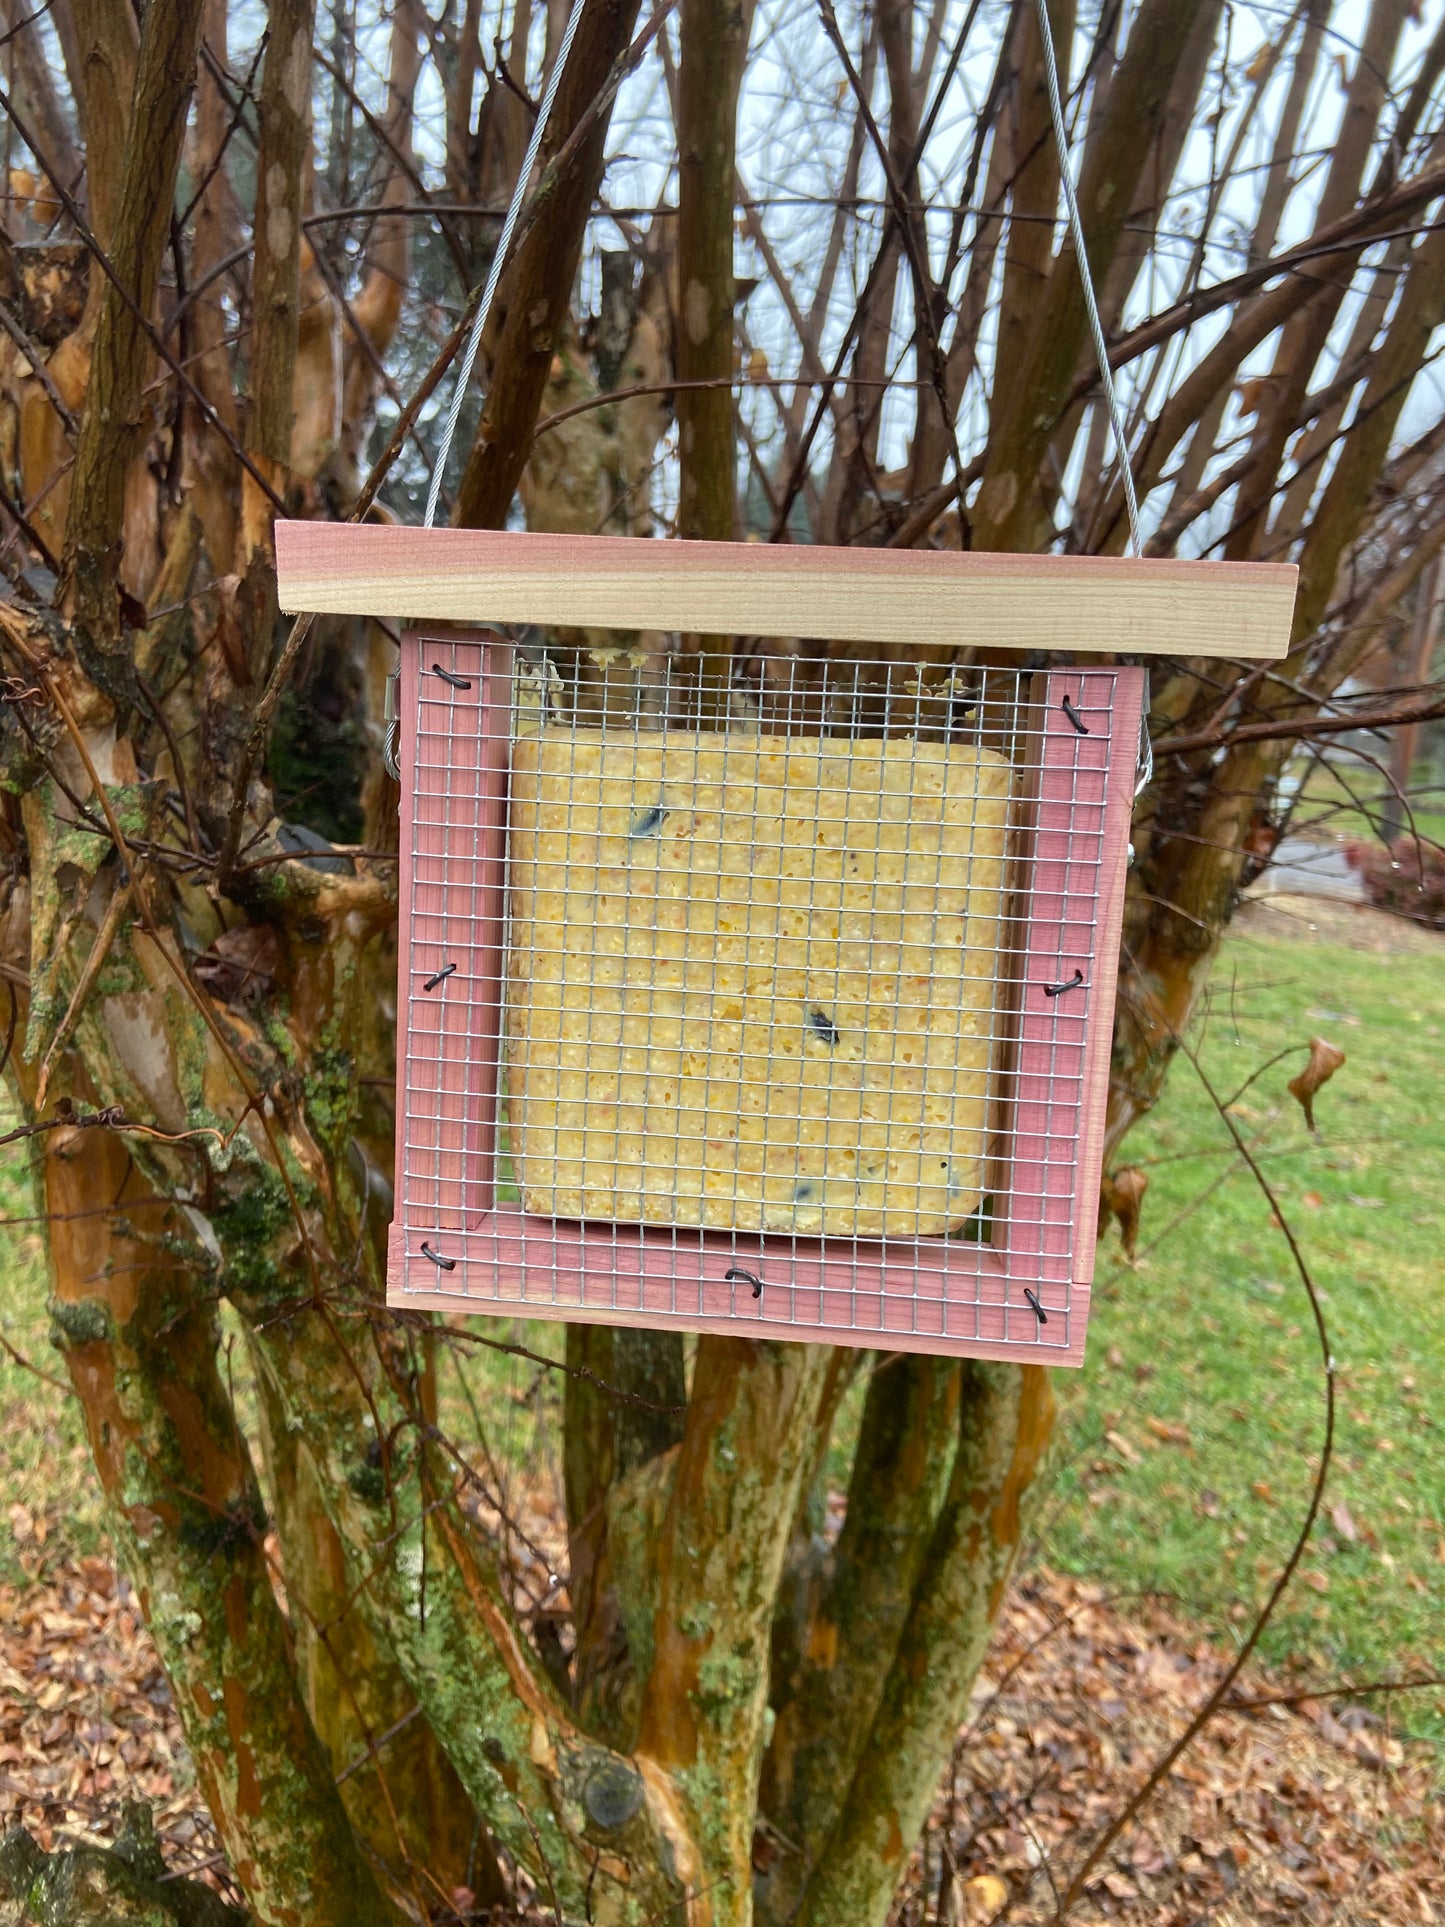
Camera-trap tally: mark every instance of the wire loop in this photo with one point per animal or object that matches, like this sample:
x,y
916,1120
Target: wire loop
x,y
499,259
1096,326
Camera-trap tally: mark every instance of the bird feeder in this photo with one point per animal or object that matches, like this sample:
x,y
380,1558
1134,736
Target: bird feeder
x,y
784,1007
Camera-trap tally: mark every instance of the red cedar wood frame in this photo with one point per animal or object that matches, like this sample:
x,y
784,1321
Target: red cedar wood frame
x,y
1062,1052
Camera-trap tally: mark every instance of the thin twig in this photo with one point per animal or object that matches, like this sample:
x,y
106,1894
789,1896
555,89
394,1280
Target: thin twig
x,y
450,1332
35,355
1219,1697
374,1747
28,529
923,283
1339,1689
29,1365
243,94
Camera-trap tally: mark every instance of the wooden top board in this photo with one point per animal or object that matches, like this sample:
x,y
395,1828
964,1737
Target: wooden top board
x,y
896,597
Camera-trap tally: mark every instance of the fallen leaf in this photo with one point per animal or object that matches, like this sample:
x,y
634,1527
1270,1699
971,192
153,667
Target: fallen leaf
x,y
1324,1060
1168,1431
1123,1197
1122,1446
1316,1581
981,1897
1263,1491
1343,1521
1313,1200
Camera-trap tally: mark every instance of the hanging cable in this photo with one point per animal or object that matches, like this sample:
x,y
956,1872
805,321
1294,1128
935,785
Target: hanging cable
x,y
1096,326
499,258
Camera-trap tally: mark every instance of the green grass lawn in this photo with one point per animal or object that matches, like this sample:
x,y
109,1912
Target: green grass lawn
x,y
1192,1433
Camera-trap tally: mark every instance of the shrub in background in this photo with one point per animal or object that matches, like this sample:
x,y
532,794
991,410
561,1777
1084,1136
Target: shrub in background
x,y
1406,877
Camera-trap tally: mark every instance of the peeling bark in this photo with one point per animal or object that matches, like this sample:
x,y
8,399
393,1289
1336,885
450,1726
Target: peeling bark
x,y
739,1469
608,1441
36,96
121,357
1006,1418
569,1809
282,155
400,1790
138,1334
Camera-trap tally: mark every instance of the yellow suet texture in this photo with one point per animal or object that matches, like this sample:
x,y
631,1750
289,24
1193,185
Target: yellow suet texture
x,y
752,979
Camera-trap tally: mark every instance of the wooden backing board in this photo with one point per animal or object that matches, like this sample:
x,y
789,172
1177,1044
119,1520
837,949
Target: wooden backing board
x,y
899,598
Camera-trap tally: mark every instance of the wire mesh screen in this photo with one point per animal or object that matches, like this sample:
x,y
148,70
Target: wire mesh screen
x,y
783,1007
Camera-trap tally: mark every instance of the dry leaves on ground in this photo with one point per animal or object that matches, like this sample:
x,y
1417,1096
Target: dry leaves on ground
x,y
86,1719
1313,1813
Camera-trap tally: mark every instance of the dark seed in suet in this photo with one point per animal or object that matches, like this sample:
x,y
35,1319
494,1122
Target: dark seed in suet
x,y
649,823
823,1027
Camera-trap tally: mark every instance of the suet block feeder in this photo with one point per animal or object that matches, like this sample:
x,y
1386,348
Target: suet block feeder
x,y
783,1009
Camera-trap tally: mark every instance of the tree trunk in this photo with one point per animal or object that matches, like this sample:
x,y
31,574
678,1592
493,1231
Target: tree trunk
x,y
906,1447
713,45
1006,1417
539,282
281,155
